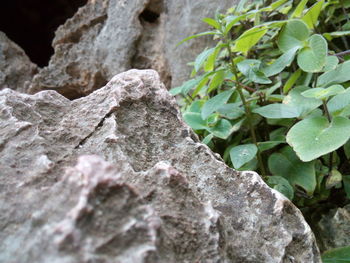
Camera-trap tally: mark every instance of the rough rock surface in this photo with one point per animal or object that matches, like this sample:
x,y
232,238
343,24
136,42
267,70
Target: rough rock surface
x,y
140,187
15,66
333,230
107,37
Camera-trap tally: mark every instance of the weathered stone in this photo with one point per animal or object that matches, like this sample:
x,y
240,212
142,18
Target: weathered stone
x,y
333,230
108,37
159,196
15,66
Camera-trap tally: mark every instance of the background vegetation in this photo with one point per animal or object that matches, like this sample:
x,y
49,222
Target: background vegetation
x,y
273,96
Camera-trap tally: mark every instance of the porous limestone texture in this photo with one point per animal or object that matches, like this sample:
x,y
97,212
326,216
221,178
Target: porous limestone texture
x,y
107,37
15,67
117,176
333,230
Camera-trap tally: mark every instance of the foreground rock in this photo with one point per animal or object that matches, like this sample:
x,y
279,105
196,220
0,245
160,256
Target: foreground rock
x,y
107,37
144,189
15,67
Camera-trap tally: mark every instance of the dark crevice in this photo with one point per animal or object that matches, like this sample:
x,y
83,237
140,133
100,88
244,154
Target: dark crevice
x,y
98,126
32,23
149,16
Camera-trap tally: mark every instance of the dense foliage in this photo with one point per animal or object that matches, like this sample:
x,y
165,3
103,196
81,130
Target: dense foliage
x,y
271,85
273,95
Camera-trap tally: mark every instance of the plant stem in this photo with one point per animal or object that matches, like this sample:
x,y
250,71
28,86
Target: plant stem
x,y
246,109
325,109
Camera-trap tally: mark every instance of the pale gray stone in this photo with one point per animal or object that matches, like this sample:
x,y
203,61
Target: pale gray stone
x,y
117,176
107,37
333,230
16,69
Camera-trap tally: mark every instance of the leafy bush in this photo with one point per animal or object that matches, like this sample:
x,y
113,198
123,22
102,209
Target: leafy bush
x,y
273,95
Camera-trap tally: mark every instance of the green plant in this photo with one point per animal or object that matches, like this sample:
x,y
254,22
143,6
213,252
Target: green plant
x,y
273,95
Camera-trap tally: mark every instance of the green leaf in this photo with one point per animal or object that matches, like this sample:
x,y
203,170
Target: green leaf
x,y
202,57
210,62
175,91
201,82
276,4
217,80
337,255
215,103
315,136
339,75
222,129
208,138
232,20
249,38
329,36
195,121
291,81
283,61
333,179
196,106
346,182
185,87
323,93
311,16
303,104
313,57
294,33
331,63
251,69
281,185
212,22
299,9
286,164
231,110
242,154
264,146
198,35
277,111
347,149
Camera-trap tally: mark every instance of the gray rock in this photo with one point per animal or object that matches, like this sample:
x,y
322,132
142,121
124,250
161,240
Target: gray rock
x,y
15,67
333,230
110,36
117,176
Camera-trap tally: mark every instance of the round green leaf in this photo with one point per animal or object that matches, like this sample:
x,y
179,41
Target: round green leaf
x,y
339,75
242,154
315,136
322,93
195,121
304,105
331,63
286,163
293,35
277,111
339,101
251,69
215,103
313,57
281,185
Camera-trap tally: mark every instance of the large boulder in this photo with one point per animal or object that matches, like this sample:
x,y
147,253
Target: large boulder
x,y
16,69
117,176
107,37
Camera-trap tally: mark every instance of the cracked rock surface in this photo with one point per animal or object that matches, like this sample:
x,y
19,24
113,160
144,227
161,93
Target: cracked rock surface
x,y
15,67
107,37
117,176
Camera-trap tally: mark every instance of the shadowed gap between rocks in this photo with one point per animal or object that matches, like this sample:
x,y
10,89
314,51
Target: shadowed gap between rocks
x,y
149,46
32,24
